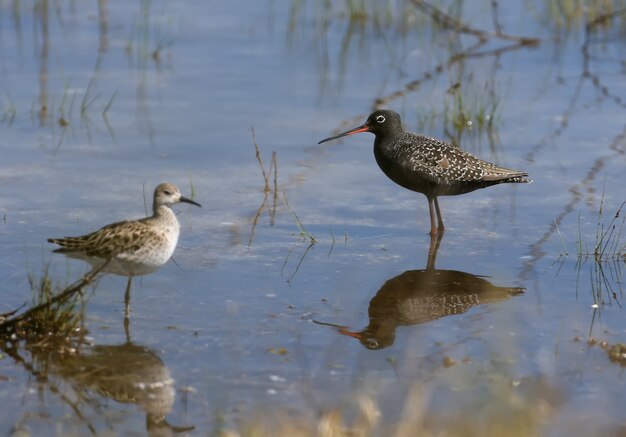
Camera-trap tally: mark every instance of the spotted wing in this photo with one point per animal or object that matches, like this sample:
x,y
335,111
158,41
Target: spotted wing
x,y
112,240
445,163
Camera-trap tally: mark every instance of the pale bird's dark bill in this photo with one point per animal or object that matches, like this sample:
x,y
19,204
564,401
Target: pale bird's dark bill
x,y
186,200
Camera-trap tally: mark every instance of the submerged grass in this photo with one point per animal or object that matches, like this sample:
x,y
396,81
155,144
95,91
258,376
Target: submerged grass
x,y
62,114
565,251
304,234
608,243
605,258
53,321
267,189
8,111
470,109
470,113
566,15
149,38
266,179
53,315
389,14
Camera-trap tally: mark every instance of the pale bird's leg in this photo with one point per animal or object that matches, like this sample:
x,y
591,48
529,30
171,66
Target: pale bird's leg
x,y
127,307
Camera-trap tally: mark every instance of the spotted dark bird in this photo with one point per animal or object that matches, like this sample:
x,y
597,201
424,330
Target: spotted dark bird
x,y
428,165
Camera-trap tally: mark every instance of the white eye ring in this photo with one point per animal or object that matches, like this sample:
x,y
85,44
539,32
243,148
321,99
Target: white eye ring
x,y
380,119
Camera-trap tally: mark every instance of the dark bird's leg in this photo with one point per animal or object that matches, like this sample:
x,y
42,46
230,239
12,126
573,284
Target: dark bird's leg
x,y
440,227
127,305
433,209
433,231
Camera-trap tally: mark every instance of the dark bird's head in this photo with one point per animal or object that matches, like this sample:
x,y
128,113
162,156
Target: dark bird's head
x,y
382,123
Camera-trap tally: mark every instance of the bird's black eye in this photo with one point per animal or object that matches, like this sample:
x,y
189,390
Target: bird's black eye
x,y
380,119
167,192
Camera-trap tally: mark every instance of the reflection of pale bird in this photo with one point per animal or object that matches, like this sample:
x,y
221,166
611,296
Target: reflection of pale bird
x,y
427,165
128,374
134,247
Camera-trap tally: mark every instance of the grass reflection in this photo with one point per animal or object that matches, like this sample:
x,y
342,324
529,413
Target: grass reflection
x,y
68,98
567,15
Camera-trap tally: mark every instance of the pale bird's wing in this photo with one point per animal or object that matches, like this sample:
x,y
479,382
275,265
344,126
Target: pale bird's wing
x,y
111,240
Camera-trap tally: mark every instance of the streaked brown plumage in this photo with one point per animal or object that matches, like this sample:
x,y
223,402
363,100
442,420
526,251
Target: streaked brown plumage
x,y
134,247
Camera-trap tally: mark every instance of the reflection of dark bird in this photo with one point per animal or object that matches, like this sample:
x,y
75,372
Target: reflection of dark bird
x,y
420,296
427,165
129,374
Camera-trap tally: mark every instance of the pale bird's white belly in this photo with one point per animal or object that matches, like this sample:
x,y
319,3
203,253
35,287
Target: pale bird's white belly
x,y
151,254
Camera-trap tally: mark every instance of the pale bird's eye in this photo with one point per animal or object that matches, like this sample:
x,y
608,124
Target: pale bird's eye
x,y
380,119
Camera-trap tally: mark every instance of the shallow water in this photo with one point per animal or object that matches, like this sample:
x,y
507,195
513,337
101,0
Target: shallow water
x,y
168,91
